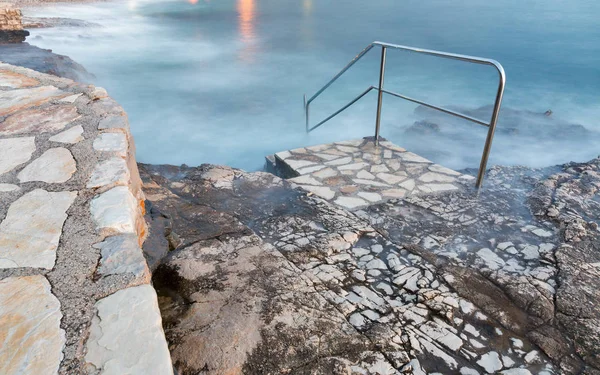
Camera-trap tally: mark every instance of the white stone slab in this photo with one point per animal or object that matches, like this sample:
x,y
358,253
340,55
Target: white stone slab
x,y
413,158
35,121
15,151
54,166
365,175
31,341
112,142
394,193
439,169
296,164
324,173
490,362
436,177
108,172
113,122
4,188
353,167
308,170
121,255
70,99
369,182
283,155
115,210
71,136
350,202
30,233
305,180
321,191
391,179
379,168
328,157
340,161
408,185
15,100
126,335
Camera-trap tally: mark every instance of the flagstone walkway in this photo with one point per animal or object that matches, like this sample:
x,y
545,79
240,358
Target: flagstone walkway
x,y
74,284
356,173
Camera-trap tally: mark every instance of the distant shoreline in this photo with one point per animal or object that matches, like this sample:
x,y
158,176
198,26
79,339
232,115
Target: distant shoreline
x,y
36,3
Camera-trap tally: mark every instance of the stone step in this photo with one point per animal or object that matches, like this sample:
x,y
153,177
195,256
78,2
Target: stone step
x,y
356,173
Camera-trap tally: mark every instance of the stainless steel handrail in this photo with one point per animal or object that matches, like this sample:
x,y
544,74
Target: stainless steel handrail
x,y
384,46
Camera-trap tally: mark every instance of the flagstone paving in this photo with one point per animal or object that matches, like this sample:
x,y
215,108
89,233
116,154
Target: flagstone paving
x,y
357,173
31,340
75,291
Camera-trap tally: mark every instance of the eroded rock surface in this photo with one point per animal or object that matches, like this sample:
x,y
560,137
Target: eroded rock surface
x,y
447,283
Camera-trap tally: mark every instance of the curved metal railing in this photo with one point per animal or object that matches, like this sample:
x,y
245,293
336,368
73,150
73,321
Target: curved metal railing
x,y
384,46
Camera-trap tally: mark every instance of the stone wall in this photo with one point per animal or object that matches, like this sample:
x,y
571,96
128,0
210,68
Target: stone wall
x,y
73,276
10,18
11,27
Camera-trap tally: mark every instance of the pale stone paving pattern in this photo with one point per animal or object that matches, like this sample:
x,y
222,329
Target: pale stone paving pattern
x,y
30,232
357,173
70,199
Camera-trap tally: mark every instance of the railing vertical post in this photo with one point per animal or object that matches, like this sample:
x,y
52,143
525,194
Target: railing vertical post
x,y
380,94
306,113
491,130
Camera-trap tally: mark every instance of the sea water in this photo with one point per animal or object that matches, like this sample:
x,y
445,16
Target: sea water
x,y
222,81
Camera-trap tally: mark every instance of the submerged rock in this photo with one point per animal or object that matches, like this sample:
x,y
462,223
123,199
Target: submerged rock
x,y
520,135
511,121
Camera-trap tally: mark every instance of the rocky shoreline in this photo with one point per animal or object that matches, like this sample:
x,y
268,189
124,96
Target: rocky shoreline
x,y
505,281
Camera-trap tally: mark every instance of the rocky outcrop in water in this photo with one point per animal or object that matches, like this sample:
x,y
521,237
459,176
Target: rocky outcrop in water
x,y
44,61
259,277
511,122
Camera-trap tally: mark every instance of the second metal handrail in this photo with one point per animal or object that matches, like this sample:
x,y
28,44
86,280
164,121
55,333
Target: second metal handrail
x,y
384,46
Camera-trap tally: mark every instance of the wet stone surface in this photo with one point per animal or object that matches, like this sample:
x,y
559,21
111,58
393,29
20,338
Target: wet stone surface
x,y
431,283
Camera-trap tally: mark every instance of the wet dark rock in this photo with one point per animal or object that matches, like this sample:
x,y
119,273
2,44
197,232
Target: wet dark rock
x,y
161,238
511,122
43,60
424,128
12,36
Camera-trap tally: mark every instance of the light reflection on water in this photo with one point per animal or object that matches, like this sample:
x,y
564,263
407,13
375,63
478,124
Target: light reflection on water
x,y
222,81
246,10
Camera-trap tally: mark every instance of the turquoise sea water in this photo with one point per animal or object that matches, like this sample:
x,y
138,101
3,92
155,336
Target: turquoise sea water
x,y
222,81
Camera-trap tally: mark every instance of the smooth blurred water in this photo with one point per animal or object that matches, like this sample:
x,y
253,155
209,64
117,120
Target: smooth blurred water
x,y
222,81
